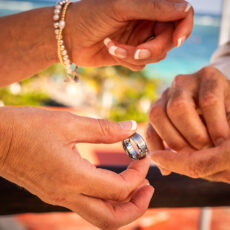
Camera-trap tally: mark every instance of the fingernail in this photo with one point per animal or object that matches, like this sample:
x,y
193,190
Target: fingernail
x,y
107,41
142,54
183,6
128,125
188,7
180,41
118,52
219,141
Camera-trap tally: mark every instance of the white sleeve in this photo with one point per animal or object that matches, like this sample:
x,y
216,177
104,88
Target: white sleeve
x,y
221,59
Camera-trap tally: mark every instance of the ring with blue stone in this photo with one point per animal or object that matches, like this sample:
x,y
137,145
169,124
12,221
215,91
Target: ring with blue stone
x,y
142,149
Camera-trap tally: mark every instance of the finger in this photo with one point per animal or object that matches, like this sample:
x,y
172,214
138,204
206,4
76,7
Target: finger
x,y
197,164
181,109
152,10
131,56
89,130
155,143
183,29
152,50
106,184
212,104
163,126
107,216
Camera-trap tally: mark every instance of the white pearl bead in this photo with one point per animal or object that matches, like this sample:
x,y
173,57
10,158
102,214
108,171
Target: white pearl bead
x,y
64,52
58,6
56,31
56,17
62,47
65,57
67,62
62,24
57,11
61,42
56,25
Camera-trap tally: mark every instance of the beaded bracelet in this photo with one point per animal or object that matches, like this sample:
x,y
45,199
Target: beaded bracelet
x,y
59,25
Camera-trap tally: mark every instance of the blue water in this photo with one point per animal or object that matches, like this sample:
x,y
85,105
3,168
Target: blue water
x,y
195,52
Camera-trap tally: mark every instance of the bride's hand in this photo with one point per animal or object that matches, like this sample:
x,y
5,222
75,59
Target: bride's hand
x,y
128,24
38,152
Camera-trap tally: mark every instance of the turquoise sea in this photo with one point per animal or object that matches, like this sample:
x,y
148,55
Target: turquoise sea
x,y
194,53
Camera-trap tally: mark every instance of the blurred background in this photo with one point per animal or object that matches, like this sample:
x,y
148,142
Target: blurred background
x,y
96,95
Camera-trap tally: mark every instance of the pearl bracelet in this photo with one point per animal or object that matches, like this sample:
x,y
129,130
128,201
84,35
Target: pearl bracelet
x,y
59,25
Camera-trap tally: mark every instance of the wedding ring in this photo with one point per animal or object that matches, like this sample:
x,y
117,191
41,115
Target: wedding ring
x,y
142,149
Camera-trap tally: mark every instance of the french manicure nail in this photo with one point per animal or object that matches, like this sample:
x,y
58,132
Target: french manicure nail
x,y
128,125
183,6
112,50
118,52
142,54
107,41
180,41
188,7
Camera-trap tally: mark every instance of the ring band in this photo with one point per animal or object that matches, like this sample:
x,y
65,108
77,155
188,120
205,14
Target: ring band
x,y
141,146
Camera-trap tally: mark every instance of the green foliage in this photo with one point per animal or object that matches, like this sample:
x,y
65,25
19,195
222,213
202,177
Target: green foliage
x,y
131,92
29,98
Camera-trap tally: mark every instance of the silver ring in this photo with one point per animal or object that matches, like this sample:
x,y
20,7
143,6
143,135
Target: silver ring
x,y
141,146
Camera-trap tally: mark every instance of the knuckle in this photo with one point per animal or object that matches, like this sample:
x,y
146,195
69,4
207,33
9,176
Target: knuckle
x,y
200,140
178,80
177,146
176,106
103,127
209,99
208,71
156,113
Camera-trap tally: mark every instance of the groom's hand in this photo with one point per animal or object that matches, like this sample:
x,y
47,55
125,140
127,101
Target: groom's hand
x,y
190,116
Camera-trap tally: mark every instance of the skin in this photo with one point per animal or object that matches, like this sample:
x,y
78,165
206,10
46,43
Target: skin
x,y
44,158
192,118
47,163
25,50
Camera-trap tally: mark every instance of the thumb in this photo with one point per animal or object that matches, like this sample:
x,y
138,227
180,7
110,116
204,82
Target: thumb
x,y
89,130
160,10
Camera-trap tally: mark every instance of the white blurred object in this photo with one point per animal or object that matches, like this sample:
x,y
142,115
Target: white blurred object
x,y
1,103
205,218
144,105
225,23
15,88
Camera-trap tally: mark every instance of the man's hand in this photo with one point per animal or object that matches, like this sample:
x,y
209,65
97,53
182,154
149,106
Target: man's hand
x,y
38,152
211,164
191,115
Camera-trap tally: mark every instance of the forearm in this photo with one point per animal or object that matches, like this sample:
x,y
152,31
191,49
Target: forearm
x,y
27,44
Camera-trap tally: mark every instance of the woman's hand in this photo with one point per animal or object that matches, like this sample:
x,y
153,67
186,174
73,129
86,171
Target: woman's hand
x,y
192,114
38,152
128,24
27,49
